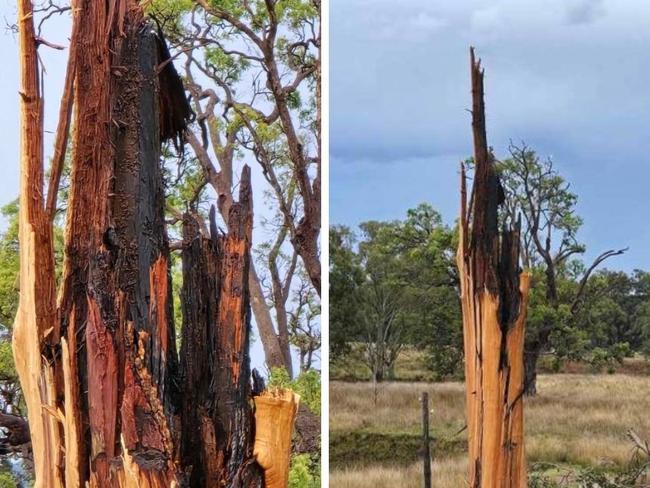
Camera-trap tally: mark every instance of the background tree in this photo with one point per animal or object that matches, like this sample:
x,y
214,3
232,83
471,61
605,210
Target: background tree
x,y
610,323
253,74
346,276
391,287
536,191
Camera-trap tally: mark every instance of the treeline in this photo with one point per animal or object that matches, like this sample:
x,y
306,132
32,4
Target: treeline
x,y
394,284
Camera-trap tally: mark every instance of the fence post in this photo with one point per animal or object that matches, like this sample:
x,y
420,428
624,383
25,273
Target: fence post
x,y
426,443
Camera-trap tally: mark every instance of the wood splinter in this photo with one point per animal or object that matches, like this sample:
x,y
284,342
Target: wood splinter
x,y
275,414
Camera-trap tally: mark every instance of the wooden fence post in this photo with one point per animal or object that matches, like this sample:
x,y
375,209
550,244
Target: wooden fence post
x,y
426,441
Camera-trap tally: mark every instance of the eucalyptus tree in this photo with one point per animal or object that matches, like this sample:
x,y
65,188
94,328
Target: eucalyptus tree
x,y
252,70
110,400
535,190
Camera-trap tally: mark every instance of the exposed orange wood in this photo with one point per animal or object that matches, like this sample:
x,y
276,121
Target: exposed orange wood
x,y
102,392
494,298
275,414
35,325
159,286
71,428
65,116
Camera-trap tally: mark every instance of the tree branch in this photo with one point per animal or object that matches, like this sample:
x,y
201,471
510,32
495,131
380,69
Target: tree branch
x,y
585,278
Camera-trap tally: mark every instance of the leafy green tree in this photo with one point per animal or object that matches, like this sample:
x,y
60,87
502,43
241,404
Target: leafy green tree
x,y
431,307
346,276
9,265
396,285
535,190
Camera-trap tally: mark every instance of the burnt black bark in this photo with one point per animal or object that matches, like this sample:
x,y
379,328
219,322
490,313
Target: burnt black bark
x,y
131,415
217,419
530,371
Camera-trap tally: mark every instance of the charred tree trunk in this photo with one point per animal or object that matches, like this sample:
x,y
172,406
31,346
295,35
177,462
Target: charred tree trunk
x,y
217,438
494,297
531,357
109,404
115,303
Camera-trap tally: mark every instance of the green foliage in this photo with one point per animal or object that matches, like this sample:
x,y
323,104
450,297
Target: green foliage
x,y
589,477
167,9
410,265
363,448
304,472
399,284
7,367
7,480
9,265
229,67
307,385
232,6
345,277
296,12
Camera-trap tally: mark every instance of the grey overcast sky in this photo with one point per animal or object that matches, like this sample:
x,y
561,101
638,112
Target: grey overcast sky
x,y
569,77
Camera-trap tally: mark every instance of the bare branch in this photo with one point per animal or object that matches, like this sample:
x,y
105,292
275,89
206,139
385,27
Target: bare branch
x,y
583,282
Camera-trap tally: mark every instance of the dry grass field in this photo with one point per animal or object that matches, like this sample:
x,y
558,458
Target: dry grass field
x,y
576,420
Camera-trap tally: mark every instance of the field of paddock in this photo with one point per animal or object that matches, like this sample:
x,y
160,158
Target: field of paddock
x,y
575,420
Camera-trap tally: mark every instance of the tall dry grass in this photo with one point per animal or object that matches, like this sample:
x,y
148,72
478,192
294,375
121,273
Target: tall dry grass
x,y
575,420
449,474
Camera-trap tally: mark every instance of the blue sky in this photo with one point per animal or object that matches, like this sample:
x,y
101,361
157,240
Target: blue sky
x,y
569,77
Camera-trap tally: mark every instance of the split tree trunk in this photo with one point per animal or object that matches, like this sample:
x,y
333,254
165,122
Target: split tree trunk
x,y
35,328
494,297
109,402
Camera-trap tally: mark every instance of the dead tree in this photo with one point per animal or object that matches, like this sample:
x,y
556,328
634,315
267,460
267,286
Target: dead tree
x,y
110,403
494,296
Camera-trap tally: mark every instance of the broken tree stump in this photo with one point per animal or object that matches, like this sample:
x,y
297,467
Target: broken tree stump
x,y
275,414
35,327
494,295
111,402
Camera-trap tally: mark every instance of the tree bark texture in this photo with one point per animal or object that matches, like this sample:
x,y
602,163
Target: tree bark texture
x,y
35,328
110,403
494,297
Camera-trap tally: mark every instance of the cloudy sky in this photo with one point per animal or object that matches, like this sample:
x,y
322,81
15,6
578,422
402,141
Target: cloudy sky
x,y
569,77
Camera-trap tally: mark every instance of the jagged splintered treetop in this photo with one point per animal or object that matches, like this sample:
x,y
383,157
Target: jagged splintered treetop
x,y
494,296
494,254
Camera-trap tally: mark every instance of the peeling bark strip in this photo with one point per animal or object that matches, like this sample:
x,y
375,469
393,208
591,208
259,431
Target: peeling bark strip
x,y
35,328
494,295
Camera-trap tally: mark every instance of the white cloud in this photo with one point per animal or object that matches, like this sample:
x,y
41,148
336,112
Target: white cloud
x,y
487,18
427,21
